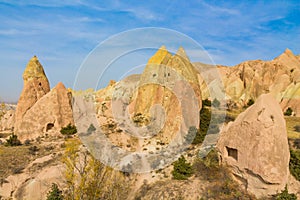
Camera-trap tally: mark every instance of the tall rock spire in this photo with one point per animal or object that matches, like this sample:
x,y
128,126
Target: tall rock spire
x,y
36,85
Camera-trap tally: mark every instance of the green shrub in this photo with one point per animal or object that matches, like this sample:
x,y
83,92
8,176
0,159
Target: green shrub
x,y
250,102
13,141
55,193
91,128
216,103
284,195
68,130
297,128
295,163
288,112
206,102
181,169
205,116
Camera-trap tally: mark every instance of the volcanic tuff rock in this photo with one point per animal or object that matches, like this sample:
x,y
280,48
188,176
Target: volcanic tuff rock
x,y
255,147
7,120
36,85
250,79
158,84
51,112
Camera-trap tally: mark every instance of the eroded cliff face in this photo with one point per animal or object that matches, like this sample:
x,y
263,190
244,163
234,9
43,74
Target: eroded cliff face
x,y
250,79
165,82
255,147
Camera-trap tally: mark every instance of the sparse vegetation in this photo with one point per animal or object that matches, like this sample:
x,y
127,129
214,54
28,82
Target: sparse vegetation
x,y
284,195
297,128
68,130
221,185
295,163
182,170
205,116
216,103
206,102
250,102
55,193
13,141
91,128
288,112
88,178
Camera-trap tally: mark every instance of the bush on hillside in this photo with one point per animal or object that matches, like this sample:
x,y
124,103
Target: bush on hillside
x,y
68,130
216,103
205,116
250,102
284,195
13,141
288,112
182,170
55,193
297,128
206,102
295,163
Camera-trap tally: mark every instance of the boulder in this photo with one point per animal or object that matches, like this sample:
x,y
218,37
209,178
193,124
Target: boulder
x,y
255,147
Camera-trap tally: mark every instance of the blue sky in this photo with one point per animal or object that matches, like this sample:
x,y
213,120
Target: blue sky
x,y
62,33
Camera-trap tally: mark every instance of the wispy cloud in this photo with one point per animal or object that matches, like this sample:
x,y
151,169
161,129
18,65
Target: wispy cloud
x,y
62,33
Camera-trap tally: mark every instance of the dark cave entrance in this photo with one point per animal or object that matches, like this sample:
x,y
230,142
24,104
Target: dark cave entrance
x,y
231,152
49,126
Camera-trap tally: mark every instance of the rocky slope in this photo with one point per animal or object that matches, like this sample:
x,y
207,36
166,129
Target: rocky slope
x,y
250,79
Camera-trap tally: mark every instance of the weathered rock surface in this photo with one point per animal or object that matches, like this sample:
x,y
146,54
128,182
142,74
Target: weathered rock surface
x,y
250,79
50,113
158,84
35,180
255,147
36,85
7,120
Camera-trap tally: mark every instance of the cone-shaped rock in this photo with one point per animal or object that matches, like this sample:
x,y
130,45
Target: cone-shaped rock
x,y
36,85
165,74
255,147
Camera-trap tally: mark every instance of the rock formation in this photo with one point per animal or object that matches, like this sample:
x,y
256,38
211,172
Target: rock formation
x,y
7,120
250,79
36,85
157,86
255,147
51,112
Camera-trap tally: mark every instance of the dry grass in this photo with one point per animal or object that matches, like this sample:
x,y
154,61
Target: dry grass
x,y
291,122
14,159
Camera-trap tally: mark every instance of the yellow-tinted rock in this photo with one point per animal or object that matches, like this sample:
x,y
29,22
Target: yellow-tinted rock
x,y
155,87
36,85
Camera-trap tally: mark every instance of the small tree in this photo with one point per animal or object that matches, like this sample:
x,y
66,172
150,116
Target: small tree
x,y
216,103
13,140
288,111
68,130
182,170
55,193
